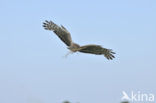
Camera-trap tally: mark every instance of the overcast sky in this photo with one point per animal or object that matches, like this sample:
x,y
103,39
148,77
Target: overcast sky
x,y
32,64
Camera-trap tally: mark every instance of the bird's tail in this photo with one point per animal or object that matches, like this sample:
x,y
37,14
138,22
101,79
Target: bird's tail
x,y
49,25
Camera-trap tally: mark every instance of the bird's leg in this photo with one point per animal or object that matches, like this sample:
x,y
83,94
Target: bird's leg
x,y
70,52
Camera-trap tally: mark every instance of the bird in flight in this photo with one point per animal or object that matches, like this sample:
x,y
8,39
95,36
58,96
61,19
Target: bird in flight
x,y
65,36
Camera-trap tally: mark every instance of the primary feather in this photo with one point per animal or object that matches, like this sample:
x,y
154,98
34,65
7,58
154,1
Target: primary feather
x,y
61,32
98,50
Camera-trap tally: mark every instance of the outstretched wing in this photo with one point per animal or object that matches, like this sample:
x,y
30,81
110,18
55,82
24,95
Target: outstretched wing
x,y
98,50
61,32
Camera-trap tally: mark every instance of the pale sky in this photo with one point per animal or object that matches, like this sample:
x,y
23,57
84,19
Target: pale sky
x,y
32,64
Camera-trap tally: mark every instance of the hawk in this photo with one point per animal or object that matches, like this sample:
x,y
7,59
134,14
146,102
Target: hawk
x,y
65,36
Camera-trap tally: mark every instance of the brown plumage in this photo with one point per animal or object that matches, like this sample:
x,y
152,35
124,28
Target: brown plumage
x,y
65,36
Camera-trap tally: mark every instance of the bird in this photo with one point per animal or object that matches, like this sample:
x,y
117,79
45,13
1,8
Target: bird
x,y
65,36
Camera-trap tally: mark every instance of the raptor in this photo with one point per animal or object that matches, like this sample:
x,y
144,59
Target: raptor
x,y
65,36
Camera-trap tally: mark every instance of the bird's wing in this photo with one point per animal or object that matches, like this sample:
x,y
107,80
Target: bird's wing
x,y
98,50
61,32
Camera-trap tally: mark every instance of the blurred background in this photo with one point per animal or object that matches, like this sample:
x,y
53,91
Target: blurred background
x,y
32,64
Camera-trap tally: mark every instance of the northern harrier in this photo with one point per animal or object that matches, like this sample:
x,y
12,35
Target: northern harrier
x,y
65,36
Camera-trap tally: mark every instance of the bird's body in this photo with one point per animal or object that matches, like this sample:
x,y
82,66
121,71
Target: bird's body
x,y
65,36
74,47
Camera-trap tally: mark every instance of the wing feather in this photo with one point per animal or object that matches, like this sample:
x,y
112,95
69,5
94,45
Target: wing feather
x,y
98,50
61,32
